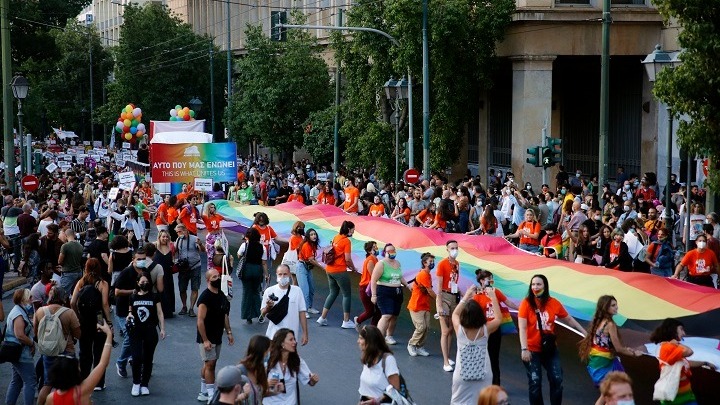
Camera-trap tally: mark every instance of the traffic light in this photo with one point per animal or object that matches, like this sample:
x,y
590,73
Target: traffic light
x,y
555,147
278,33
547,158
534,158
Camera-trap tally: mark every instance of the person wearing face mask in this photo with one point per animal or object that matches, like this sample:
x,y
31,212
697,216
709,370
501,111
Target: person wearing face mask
x,y
660,255
697,218
19,330
625,192
540,309
448,273
700,262
213,318
419,306
616,389
386,286
616,254
370,309
294,311
575,181
146,314
628,213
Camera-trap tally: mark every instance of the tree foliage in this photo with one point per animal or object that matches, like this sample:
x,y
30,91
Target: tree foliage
x,y
279,85
318,141
462,38
161,62
693,88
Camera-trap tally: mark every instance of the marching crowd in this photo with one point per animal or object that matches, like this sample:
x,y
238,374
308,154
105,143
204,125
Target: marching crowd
x,y
98,281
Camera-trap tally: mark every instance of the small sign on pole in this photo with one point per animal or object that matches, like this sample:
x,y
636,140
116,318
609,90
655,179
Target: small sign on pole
x,y
203,184
112,194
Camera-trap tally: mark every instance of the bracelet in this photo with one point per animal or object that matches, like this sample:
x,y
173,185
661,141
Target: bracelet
x,y
463,301
108,344
524,349
373,296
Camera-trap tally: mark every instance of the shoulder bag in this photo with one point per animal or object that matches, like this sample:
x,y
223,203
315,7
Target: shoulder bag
x,y
226,282
547,340
279,311
666,387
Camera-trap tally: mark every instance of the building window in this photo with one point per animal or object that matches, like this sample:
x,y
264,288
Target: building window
x,y
628,2
473,139
572,2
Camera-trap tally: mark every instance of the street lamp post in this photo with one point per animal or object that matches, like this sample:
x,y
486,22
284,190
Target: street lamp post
x,y
654,63
20,87
396,90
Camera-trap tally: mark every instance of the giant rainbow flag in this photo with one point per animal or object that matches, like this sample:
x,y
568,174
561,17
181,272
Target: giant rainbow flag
x,y
643,299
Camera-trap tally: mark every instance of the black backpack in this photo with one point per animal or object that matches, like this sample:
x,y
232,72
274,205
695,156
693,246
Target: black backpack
x,y
89,302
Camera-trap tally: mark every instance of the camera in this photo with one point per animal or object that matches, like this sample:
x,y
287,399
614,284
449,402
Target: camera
x,y
274,297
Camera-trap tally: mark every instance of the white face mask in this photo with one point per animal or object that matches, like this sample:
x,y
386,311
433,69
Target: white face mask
x,y
626,208
626,402
626,187
459,194
528,188
701,245
284,281
454,253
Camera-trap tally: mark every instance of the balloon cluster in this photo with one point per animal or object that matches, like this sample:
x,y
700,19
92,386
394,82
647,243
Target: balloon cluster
x,y
129,125
180,113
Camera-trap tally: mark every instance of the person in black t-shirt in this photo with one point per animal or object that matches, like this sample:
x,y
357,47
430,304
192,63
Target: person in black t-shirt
x,y
146,313
125,285
100,249
213,316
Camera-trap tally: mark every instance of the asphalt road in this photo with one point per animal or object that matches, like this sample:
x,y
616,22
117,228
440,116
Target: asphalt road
x,y
333,353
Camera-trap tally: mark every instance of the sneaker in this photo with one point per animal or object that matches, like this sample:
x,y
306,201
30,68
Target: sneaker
x,y
448,368
390,340
357,324
348,325
202,397
307,316
191,313
135,391
144,391
183,311
412,350
421,351
99,388
313,311
322,321
261,319
451,362
121,371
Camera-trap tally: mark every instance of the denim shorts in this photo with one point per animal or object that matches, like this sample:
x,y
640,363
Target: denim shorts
x,y
389,300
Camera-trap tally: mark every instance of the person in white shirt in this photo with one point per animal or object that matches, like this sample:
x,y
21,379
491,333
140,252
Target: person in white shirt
x,y
102,205
286,365
379,367
295,317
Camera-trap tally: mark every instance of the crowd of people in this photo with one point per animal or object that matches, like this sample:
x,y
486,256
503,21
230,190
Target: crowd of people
x,y
98,281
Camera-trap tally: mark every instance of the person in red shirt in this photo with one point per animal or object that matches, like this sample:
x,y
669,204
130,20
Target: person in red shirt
x,y
296,196
352,196
700,262
448,273
161,219
419,306
214,232
370,310
337,275
485,279
534,356
189,215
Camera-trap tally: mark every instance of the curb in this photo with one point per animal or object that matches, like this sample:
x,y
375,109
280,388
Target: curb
x,y
14,283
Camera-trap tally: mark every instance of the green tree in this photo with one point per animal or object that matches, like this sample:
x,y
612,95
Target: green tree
x,y
279,85
693,88
318,140
462,39
161,62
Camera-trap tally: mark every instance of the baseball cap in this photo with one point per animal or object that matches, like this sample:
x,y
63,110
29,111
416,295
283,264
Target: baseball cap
x,y
228,377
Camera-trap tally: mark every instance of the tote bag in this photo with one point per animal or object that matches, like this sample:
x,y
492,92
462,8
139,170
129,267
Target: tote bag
x,y
226,282
666,387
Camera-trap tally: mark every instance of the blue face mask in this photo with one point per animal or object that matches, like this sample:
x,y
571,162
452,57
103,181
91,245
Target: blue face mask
x,y
392,256
376,252
29,309
431,265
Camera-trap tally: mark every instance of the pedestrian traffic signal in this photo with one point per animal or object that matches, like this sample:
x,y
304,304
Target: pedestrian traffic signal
x,y
555,148
547,158
534,158
278,33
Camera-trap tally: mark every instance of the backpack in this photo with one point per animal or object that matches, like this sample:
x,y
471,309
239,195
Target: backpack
x,y
89,302
51,338
328,254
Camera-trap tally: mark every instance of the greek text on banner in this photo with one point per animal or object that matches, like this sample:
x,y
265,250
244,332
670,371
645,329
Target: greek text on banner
x,y
183,162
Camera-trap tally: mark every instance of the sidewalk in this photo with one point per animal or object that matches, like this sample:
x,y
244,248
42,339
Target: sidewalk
x,y
11,281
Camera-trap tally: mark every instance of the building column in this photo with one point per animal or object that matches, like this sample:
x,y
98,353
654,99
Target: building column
x,y
531,105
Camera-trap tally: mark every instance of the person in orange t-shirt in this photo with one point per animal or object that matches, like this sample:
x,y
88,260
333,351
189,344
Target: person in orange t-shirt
x,y
297,233
528,232
539,302
484,279
377,209
267,237
701,262
161,219
189,215
448,273
326,196
352,196
172,216
214,231
426,217
338,278
296,196
307,252
419,306
370,310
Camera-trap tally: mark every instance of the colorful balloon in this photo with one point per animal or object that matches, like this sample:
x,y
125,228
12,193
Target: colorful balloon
x,y
173,113
141,127
134,123
136,112
127,123
128,108
178,107
128,136
192,114
140,133
187,117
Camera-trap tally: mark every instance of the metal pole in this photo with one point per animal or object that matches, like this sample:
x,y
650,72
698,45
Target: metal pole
x,y
688,209
28,154
410,147
8,139
542,145
20,135
604,94
229,57
668,217
397,138
92,104
336,129
426,92
212,90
